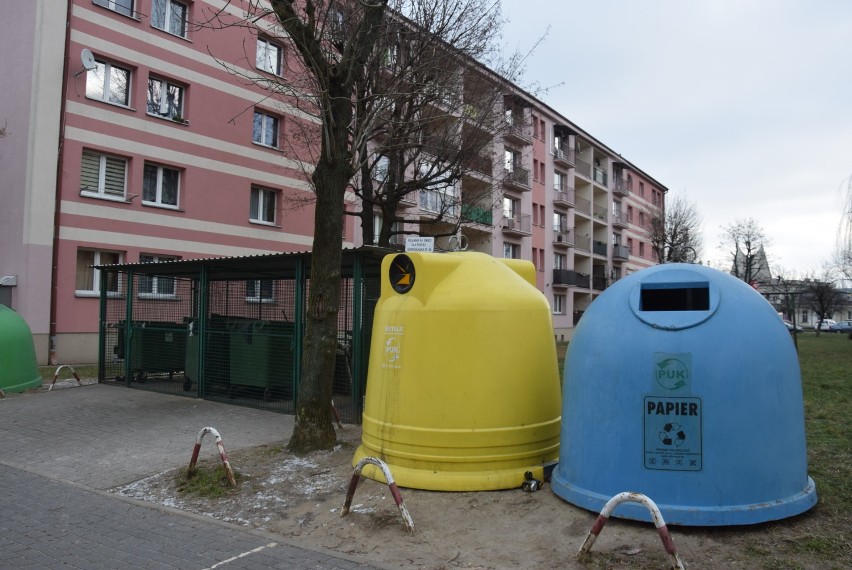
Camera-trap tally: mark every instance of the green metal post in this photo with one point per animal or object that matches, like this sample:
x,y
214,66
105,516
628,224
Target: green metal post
x,y
102,329
128,329
298,327
203,291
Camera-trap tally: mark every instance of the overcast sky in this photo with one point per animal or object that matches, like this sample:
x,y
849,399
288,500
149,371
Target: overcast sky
x,y
745,106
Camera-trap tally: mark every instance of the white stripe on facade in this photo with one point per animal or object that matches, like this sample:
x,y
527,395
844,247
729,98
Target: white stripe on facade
x,y
160,220
121,145
161,128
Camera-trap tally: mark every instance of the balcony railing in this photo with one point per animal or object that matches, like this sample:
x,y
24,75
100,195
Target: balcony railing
x,y
619,219
620,252
584,206
518,133
621,186
562,237
517,224
477,214
599,247
563,198
563,157
600,212
600,176
583,243
570,278
583,167
482,164
599,283
518,177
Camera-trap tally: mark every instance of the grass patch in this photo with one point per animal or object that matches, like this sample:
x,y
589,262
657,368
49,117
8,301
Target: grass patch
x,y
206,481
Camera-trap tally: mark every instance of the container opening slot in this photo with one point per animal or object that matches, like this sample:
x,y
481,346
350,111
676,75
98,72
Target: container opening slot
x,y
675,299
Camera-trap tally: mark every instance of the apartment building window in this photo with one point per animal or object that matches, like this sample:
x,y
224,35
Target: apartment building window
x,y
511,160
559,304
511,250
559,182
535,258
641,189
165,99
559,261
160,185
121,6
109,83
541,174
535,214
511,207
641,249
156,285
270,57
560,222
641,219
260,291
380,169
263,205
265,129
535,127
541,260
630,214
630,246
535,170
102,175
541,130
804,315
395,238
169,16
89,278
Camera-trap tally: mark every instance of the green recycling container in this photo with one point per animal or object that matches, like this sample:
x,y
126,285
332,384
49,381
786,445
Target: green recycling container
x,y
18,367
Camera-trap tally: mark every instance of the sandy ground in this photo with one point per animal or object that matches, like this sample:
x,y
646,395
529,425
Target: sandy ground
x,y
301,498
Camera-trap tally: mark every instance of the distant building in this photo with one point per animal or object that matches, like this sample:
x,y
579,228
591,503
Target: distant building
x,y
126,140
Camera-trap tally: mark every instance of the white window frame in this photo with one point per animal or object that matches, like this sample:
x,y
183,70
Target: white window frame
x,y
158,189
166,110
270,57
157,282
258,205
260,133
168,9
255,291
107,69
558,304
101,190
95,274
116,6
511,250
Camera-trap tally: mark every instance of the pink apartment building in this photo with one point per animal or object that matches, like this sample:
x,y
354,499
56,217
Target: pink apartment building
x,y
126,139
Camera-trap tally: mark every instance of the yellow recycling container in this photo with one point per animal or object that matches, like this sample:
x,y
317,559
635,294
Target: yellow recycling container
x,y
463,386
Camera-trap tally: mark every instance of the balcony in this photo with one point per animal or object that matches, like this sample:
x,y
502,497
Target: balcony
x,y
518,225
599,248
622,186
477,214
517,133
620,252
600,212
563,158
583,243
570,278
562,238
619,220
564,198
518,178
584,206
598,283
582,167
482,164
600,177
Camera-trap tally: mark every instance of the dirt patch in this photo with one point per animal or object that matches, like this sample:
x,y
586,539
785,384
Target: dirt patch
x,y
301,498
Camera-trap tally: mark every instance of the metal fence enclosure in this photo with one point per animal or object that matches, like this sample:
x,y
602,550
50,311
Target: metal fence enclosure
x,y
231,329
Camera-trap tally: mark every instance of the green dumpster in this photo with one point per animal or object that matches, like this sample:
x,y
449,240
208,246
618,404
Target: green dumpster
x,y
261,357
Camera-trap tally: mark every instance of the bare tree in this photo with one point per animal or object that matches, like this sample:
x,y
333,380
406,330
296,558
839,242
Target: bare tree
x,y
785,292
843,255
822,296
744,241
676,231
385,105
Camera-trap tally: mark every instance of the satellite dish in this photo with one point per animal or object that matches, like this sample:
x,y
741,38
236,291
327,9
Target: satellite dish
x,y
88,60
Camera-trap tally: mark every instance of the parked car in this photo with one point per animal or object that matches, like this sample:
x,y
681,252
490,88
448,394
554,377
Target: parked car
x,y
843,327
827,325
790,326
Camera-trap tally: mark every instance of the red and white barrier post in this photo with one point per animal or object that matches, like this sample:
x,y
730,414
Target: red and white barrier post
x,y
656,515
219,444
356,476
56,375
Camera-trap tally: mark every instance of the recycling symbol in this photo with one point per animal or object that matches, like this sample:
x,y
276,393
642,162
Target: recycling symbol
x,y
672,435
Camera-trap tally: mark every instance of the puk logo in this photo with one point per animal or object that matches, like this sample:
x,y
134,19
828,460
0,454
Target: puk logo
x,y
671,373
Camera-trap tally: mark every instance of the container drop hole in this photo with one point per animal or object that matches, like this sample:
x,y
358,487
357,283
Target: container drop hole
x,y
668,298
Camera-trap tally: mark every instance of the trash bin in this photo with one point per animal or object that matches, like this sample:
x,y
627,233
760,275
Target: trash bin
x,y
18,366
682,383
156,347
261,356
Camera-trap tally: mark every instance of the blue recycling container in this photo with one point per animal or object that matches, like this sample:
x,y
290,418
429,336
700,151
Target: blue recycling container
x,y
682,383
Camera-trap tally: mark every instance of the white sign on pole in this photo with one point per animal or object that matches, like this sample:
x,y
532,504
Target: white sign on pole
x,y
419,243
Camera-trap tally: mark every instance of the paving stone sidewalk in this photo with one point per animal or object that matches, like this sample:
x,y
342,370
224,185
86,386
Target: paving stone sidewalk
x,y
61,450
